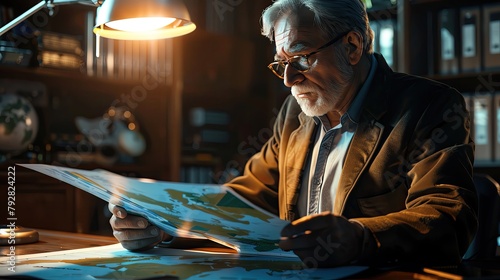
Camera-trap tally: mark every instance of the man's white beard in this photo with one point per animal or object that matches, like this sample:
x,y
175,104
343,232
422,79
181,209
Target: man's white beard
x,y
329,99
316,107
320,103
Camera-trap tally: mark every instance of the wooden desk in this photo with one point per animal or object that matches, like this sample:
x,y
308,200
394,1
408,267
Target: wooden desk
x,y
51,241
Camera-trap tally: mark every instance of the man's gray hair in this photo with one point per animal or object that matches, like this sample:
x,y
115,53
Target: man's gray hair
x,y
331,17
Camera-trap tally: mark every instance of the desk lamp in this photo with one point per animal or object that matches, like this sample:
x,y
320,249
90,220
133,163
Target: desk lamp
x,y
115,19
127,19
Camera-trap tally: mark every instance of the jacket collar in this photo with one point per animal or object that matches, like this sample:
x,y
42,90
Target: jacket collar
x,y
367,136
375,103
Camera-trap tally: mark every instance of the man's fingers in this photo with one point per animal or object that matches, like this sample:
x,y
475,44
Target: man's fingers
x,y
139,239
134,232
137,234
306,224
130,222
299,242
117,210
140,245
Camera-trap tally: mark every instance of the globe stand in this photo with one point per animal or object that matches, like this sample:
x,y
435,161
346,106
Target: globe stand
x,y
16,235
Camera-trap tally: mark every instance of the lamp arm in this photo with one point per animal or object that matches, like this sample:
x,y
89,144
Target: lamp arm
x,y
44,3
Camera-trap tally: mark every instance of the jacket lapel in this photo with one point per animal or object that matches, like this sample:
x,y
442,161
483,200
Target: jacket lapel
x,y
367,135
362,148
295,161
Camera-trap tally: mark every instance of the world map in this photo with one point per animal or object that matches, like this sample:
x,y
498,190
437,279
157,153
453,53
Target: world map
x,y
114,262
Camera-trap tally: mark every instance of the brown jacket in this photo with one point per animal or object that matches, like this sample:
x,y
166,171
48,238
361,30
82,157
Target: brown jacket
x,y
407,176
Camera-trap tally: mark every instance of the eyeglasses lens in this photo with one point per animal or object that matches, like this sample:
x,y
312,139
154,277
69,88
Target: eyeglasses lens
x,y
279,69
300,63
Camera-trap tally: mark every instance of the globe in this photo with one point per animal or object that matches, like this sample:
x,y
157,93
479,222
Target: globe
x,y
18,123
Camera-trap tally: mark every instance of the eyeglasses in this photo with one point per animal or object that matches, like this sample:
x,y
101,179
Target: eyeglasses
x,y
299,62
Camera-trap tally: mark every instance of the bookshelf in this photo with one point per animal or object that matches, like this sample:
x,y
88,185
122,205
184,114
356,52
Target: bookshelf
x,y
145,77
438,39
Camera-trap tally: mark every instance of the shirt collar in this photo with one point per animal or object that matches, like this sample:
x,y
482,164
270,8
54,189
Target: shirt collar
x,y
354,111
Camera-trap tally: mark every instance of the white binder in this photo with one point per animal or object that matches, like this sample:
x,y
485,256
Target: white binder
x,y
483,127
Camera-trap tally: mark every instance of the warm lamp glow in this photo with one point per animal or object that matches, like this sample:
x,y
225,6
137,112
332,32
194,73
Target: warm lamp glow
x,y
140,24
142,19
126,19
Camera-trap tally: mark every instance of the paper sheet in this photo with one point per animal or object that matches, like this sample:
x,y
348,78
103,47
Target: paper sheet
x,y
208,211
114,262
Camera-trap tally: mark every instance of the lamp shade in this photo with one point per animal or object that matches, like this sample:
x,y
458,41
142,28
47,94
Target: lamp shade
x,y
142,19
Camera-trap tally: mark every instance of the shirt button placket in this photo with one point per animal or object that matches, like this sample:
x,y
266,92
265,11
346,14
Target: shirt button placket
x,y
319,172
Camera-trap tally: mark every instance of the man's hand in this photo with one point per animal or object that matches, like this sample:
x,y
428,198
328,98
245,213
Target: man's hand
x,y
323,240
134,233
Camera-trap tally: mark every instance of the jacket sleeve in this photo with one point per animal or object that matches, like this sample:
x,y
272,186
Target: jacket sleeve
x,y
440,215
260,180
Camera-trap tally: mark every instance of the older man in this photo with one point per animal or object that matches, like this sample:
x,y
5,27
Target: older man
x,y
370,166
